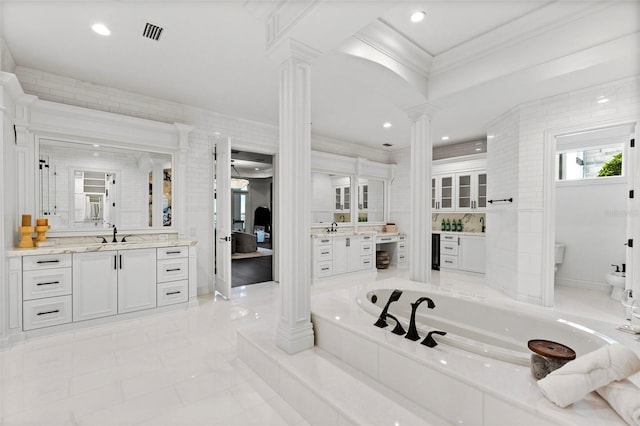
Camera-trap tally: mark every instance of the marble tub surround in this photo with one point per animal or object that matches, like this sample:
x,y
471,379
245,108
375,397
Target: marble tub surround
x,y
491,390
470,221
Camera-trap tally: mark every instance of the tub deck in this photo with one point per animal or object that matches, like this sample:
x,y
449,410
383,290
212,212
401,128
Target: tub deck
x,y
458,385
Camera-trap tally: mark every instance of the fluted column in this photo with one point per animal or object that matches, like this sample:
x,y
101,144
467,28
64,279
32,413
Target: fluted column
x,y
295,332
421,157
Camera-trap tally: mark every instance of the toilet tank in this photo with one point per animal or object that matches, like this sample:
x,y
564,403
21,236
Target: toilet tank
x,y
559,253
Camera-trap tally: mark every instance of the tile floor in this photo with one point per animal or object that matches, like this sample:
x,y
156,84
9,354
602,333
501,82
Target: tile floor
x,y
181,368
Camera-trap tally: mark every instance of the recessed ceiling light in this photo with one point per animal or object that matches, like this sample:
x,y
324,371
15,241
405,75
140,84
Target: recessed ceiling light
x,y
602,100
445,138
95,145
101,29
417,16
386,125
256,168
478,149
490,136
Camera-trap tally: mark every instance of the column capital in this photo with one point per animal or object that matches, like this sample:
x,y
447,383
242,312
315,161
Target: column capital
x,y
183,135
417,111
290,48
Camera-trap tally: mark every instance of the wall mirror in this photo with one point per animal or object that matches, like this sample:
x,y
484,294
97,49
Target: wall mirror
x,y
370,200
331,198
90,186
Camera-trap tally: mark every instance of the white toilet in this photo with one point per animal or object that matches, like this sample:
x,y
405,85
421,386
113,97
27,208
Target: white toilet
x,y
616,281
559,255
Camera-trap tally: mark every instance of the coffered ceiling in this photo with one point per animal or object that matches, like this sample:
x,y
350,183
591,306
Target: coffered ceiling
x,y
472,60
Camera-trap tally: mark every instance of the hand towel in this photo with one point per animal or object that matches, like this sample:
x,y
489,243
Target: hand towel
x,y
574,380
624,397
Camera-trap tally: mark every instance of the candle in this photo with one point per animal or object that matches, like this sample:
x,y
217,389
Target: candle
x,y
26,220
42,222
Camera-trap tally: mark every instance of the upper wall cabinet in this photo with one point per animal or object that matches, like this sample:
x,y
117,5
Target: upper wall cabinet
x,y
459,185
471,190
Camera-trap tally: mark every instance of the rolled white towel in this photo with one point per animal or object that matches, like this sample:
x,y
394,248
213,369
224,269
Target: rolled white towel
x,y
624,397
574,380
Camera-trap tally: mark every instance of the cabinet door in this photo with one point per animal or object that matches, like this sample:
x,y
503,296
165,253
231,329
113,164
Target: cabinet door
x,y
443,192
95,285
353,250
464,189
471,254
136,280
339,255
481,191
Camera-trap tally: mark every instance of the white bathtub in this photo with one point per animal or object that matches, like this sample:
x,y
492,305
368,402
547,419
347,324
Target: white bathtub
x,y
490,330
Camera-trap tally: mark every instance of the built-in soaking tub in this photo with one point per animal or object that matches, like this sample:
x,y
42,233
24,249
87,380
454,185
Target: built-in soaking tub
x,y
489,330
482,364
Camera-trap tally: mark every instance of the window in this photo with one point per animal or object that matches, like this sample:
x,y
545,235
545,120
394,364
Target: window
x,y
588,163
592,155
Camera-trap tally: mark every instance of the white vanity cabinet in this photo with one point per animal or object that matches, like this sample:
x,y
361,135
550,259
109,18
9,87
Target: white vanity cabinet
x,y
107,283
46,291
341,254
173,275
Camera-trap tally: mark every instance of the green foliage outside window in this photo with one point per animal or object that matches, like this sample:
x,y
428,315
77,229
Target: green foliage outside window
x,y
612,167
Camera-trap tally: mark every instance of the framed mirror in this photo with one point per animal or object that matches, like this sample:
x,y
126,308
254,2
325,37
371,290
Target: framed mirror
x,y
331,198
370,200
83,186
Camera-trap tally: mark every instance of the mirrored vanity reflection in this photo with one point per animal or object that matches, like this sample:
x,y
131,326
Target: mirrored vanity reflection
x,y
85,186
334,199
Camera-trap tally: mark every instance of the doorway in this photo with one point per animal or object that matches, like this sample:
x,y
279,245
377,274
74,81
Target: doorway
x,y
588,176
252,254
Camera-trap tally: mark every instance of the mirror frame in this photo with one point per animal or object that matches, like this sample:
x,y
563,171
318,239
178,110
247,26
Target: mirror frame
x,y
108,145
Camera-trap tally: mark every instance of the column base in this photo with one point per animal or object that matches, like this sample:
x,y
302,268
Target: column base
x,y
294,340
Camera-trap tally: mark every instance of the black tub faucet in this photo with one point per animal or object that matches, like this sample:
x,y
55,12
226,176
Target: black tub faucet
x,y
382,319
412,334
430,341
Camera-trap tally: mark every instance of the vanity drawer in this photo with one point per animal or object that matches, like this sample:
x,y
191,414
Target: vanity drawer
x,y
366,262
367,238
448,238
46,312
323,252
46,283
450,248
402,257
173,292
366,248
321,241
402,245
46,261
323,269
448,262
386,239
173,252
172,269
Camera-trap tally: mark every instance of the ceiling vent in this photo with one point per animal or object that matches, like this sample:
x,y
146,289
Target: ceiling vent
x,y
152,31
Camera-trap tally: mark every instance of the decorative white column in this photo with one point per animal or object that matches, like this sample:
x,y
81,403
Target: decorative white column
x,y
295,332
420,174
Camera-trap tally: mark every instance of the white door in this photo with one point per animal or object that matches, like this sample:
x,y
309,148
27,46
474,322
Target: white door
x,y
222,224
95,285
136,280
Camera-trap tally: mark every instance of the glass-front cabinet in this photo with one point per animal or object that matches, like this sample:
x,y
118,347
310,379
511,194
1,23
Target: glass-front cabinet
x,y
443,193
471,190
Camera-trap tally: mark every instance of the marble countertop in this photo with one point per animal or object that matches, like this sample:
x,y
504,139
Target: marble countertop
x,y
352,233
474,234
94,247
